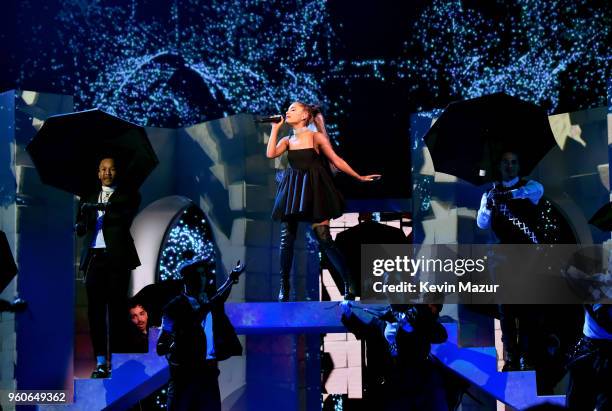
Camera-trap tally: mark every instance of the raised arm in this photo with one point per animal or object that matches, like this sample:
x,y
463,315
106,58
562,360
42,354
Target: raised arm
x,y
275,148
324,146
224,291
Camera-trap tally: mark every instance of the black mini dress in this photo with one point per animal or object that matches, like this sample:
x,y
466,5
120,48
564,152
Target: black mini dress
x,y
307,191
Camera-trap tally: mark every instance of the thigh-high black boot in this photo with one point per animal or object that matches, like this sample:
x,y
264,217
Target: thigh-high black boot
x,y
287,240
335,258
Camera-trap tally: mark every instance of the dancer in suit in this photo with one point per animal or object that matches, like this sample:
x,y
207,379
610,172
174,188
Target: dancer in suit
x,y
196,335
400,373
510,209
104,219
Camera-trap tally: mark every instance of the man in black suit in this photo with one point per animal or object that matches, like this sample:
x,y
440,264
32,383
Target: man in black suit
x,y
400,373
196,334
104,218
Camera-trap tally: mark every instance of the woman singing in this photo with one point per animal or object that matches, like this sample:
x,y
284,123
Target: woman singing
x,y
307,191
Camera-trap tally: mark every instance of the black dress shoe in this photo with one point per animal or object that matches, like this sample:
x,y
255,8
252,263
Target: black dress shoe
x,y
511,366
526,364
101,371
285,288
349,292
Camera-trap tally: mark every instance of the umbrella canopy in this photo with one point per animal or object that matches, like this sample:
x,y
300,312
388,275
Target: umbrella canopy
x,y
8,268
470,136
68,148
154,298
602,219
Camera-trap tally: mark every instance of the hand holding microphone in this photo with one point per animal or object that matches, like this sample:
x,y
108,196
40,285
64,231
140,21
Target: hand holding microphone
x,y
270,119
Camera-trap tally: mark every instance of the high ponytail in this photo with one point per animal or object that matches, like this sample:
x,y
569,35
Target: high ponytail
x,y
319,121
315,116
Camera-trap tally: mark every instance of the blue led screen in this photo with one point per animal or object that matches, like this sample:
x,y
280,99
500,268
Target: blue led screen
x,y
369,64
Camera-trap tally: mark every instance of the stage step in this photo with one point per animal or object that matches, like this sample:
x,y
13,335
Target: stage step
x,y
135,376
478,365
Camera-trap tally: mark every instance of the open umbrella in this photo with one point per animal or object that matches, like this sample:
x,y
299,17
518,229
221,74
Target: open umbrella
x,y
602,218
68,147
470,136
155,296
8,268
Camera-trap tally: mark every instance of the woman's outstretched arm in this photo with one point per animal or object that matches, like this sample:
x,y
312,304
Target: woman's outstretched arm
x,y
322,142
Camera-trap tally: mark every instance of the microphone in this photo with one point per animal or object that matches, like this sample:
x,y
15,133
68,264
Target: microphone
x,y
270,119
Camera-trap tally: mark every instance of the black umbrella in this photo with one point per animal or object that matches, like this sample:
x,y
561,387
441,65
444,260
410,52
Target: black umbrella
x,y
470,136
68,147
602,219
8,268
350,241
154,298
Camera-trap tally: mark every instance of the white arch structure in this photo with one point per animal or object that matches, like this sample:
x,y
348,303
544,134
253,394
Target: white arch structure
x,y
149,230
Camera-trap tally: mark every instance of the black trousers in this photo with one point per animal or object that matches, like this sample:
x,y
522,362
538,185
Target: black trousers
x,y
107,287
409,388
590,376
194,391
518,324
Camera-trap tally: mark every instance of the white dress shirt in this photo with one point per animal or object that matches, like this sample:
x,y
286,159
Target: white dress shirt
x,y
103,196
